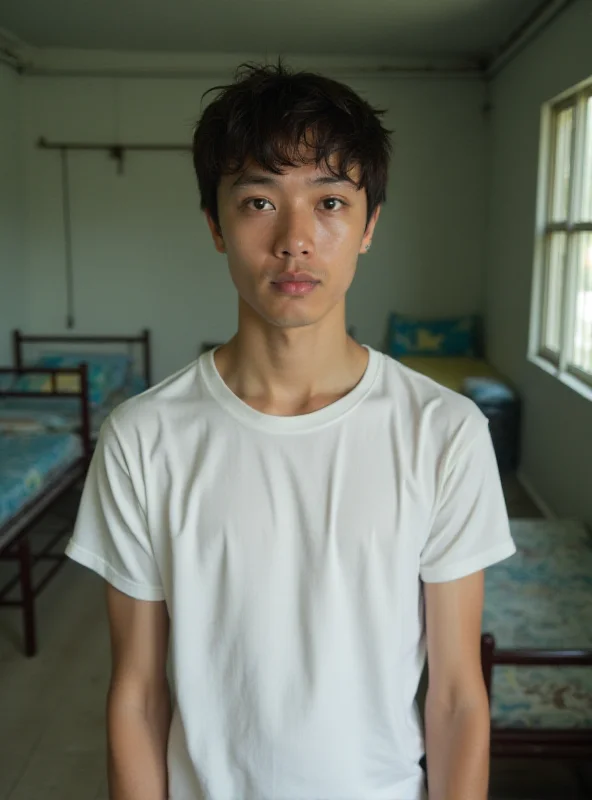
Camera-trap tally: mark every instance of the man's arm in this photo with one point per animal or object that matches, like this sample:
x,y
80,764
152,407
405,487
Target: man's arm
x,y
138,704
457,708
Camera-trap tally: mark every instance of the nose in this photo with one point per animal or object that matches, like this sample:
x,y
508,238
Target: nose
x,y
294,234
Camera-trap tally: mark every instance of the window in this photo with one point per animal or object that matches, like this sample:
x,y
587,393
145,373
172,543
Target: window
x,y
562,300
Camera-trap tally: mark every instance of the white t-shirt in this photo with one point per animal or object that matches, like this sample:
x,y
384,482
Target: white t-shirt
x,y
290,553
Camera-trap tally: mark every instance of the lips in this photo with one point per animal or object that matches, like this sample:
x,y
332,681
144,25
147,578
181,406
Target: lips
x,y
295,277
297,288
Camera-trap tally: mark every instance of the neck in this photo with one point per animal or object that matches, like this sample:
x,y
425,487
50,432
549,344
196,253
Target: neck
x,y
291,371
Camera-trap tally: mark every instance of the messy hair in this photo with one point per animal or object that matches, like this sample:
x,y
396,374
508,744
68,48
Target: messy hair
x,y
270,113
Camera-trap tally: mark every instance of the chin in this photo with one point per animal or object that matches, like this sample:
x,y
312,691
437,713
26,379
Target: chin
x,y
287,312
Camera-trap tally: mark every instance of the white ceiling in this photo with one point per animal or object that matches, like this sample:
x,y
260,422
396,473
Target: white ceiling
x,y
473,29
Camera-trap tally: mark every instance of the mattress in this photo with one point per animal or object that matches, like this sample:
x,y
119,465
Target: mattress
x,y
60,414
29,462
451,372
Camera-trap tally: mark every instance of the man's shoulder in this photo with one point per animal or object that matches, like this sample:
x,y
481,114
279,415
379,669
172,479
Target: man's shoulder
x,y
144,411
429,403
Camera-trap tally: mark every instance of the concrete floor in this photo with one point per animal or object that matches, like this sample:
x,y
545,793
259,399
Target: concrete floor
x,y
52,726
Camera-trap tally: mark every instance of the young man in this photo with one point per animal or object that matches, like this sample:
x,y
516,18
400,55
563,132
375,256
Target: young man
x,y
294,517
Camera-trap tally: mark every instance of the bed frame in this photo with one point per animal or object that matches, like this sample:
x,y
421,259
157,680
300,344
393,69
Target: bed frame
x,y
14,532
19,339
535,742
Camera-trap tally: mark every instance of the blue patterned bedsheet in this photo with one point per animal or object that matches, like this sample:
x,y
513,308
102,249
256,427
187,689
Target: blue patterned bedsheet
x,y
539,598
28,462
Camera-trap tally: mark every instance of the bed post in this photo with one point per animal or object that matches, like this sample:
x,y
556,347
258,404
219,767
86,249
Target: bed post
x,y
27,596
84,399
16,348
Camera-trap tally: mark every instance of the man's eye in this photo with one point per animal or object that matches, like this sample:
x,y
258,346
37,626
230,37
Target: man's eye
x,y
333,200
260,201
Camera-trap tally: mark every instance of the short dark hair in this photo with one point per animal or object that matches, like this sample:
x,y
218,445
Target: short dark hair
x,y
269,112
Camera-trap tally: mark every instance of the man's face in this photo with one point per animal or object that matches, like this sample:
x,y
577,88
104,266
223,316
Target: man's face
x,y
300,221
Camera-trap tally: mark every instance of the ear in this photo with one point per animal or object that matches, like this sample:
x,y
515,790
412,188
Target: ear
x,y
369,232
216,233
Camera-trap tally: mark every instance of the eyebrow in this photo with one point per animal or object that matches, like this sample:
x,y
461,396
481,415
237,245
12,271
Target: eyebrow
x,y
252,179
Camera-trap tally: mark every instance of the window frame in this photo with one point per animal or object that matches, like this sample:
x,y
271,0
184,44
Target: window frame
x,y
560,363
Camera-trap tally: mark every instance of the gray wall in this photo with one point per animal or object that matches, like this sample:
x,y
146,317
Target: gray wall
x,y
557,436
12,289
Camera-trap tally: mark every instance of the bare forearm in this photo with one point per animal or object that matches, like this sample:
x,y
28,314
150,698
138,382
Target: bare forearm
x,y
457,745
137,749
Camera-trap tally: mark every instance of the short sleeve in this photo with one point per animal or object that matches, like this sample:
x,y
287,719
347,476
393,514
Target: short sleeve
x,y
111,534
470,529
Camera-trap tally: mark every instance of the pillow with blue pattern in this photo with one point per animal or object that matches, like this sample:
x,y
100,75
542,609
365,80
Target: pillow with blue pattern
x,y
107,373
449,336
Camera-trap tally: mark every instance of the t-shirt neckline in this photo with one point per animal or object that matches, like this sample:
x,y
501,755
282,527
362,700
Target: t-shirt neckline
x,y
286,424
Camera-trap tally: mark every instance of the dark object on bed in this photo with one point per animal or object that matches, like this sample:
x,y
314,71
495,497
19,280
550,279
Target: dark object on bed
x,y
504,426
501,405
14,531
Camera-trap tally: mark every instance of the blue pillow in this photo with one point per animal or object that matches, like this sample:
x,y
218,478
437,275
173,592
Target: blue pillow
x,y
107,373
413,336
42,382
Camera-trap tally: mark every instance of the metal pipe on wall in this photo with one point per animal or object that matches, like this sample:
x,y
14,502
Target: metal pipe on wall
x,y
67,239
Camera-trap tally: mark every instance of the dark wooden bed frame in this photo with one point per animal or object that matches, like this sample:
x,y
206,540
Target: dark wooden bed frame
x,y
14,533
535,742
